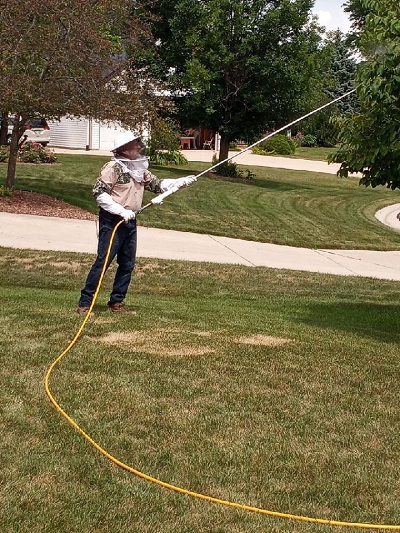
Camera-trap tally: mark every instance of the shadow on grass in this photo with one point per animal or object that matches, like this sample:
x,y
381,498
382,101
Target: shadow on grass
x,y
380,322
279,185
75,193
263,183
172,170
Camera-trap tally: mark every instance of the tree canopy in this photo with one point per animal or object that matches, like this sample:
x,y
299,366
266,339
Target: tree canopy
x,y
339,79
357,10
370,139
63,57
239,67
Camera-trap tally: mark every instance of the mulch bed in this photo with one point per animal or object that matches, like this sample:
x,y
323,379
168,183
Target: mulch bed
x,y
32,203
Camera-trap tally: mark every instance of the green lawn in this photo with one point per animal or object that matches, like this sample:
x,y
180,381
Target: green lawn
x,y
317,153
279,206
271,388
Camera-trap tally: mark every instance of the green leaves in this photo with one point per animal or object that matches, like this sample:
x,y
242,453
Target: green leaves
x,y
236,62
370,140
62,57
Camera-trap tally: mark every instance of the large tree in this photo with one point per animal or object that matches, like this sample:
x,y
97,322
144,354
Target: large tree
x,y
370,139
358,11
343,71
64,57
339,79
239,67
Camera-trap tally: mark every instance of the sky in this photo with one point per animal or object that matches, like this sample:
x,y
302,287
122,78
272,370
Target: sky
x,y
331,15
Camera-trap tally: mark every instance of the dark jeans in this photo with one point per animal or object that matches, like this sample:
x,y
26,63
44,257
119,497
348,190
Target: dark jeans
x,y
123,246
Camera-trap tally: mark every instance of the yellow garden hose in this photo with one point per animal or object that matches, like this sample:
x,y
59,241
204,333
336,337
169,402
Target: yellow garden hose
x,y
163,484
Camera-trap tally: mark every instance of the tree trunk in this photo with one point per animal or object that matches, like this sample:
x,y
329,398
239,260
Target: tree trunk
x,y
18,128
3,128
224,147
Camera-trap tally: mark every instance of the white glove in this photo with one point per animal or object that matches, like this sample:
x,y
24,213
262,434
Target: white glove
x,y
180,182
128,215
185,182
166,184
158,200
106,202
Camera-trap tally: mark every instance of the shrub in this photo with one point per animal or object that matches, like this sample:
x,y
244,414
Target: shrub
x,y
4,191
309,140
163,145
327,137
278,144
230,170
248,174
260,151
173,157
323,127
4,153
164,136
35,153
30,153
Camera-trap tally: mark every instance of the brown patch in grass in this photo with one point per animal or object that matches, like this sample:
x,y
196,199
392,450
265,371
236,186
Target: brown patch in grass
x,y
107,319
21,260
149,265
29,263
263,340
203,333
44,479
74,266
163,342
169,341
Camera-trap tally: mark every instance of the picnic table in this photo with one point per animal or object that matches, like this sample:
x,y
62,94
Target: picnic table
x,y
187,142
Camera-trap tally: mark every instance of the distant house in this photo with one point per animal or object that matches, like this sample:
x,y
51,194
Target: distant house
x,y
83,134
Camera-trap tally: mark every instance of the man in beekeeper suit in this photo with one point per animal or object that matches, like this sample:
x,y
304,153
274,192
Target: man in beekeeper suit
x,y
119,193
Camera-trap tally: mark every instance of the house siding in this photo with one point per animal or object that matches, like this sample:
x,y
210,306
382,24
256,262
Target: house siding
x,y
69,133
83,134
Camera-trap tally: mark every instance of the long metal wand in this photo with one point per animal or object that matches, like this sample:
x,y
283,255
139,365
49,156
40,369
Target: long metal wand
x,y
158,199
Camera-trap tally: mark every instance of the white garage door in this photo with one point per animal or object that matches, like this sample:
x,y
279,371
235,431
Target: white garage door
x,y
69,133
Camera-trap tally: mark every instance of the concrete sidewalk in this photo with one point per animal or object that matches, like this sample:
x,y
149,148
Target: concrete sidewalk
x,y
47,233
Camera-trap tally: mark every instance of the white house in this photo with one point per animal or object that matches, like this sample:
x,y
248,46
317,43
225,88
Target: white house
x,y
83,134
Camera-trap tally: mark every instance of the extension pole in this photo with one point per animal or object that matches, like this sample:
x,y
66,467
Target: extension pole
x,y
172,191
276,132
